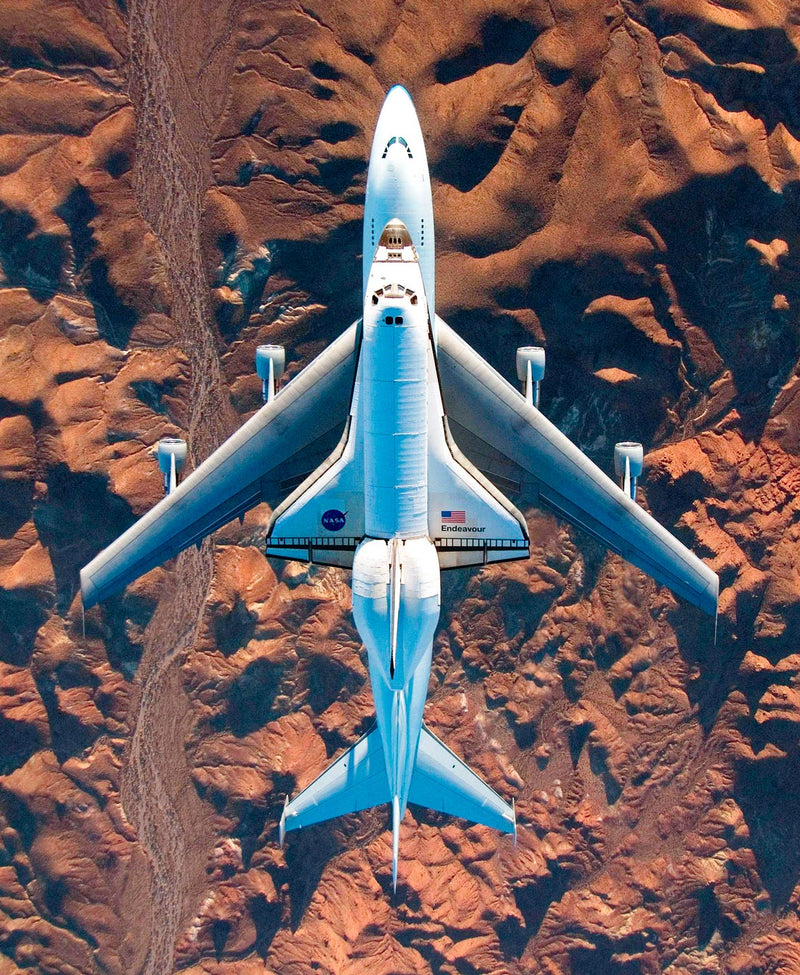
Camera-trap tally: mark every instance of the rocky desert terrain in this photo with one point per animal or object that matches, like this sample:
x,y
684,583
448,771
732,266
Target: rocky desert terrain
x,y
179,182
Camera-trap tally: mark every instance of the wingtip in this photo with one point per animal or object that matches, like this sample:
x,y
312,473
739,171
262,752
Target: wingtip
x,y
514,814
713,598
282,824
88,590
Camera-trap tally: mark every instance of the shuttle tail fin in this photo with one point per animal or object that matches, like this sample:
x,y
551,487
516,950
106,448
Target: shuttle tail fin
x,y
443,782
356,780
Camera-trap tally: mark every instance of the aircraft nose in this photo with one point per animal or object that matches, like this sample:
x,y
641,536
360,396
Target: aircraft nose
x,y
397,94
397,106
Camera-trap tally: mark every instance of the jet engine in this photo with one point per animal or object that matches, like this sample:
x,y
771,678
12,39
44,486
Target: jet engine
x,y
628,464
270,363
530,371
171,453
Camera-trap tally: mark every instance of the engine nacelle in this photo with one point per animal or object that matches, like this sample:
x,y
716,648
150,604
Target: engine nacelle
x,y
628,465
270,363
530,371
171,454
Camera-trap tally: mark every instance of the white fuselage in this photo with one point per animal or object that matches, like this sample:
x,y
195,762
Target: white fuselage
x,y
396,580
399,188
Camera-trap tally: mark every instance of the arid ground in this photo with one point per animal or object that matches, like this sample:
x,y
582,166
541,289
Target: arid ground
x,y
616,179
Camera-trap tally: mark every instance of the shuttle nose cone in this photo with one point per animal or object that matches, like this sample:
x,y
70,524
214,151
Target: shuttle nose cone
x,y
395,236
397,95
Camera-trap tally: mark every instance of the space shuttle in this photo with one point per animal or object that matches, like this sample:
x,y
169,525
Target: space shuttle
x,y
386,456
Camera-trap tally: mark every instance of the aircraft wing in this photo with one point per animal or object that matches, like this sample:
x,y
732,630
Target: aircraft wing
x,y
518,448
263,461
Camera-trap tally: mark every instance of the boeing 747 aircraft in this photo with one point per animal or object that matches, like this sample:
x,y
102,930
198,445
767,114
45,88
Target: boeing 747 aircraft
x,y
397,435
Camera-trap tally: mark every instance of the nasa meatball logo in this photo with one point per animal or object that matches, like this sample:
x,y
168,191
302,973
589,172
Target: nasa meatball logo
x,y
334,520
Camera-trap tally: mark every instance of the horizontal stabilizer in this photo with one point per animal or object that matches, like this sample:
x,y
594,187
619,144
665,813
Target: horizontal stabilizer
x,y
356,780
441,781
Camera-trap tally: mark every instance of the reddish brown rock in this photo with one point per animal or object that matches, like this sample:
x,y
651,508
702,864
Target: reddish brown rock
x,y
617,182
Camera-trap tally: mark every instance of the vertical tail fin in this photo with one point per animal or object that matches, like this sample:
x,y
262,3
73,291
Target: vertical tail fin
x,y
395,839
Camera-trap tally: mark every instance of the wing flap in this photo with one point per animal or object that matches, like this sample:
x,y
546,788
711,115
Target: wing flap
x,y
525,446
249,467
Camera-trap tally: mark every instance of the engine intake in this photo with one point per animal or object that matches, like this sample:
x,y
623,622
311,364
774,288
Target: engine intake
x,y
270,363
171,454
530,371
628,465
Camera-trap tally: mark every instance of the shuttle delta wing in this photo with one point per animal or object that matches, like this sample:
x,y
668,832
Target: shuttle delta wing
x,y
517,447
322,520
262,461
469,521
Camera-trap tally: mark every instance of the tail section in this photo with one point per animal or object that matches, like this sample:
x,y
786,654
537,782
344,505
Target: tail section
x,y
443,782
356,780
395,838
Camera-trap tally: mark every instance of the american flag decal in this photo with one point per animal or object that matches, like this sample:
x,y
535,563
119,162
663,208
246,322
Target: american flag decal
x,y
453,517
